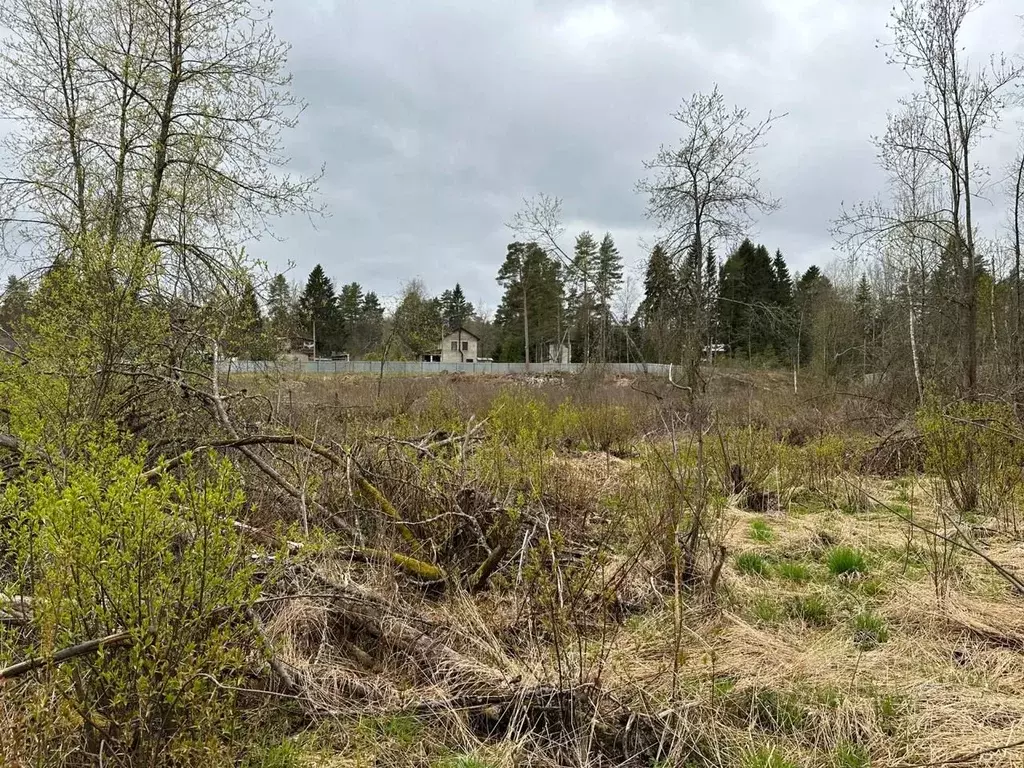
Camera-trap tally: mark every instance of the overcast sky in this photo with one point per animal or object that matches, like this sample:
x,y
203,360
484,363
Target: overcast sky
x,y
435,118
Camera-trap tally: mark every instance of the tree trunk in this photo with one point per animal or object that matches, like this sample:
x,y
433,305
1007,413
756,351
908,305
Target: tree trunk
x,y
913,344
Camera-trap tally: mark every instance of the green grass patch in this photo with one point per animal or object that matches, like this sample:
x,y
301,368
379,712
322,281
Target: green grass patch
x,y
869,630
798,573
753,564
851,756
846,561
766,757
891,710
809,609
767,610
761,531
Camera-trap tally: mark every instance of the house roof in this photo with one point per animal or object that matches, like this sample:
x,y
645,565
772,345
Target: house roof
x,y
461,330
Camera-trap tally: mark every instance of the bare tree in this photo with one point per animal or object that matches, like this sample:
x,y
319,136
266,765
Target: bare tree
x,y
704,188
944,123
1018,204
155,122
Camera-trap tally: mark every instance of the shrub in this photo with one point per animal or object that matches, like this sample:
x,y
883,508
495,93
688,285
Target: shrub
x,y
869,630
102,552
846,561
608,427
753,564
761,531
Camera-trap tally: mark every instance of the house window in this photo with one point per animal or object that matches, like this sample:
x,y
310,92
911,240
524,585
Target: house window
x,y
465,346
455,346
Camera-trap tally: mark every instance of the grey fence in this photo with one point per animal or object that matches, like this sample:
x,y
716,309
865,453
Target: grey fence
x,y
395,368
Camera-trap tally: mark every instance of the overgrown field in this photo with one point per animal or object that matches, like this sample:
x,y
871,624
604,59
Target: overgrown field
x,y
477,572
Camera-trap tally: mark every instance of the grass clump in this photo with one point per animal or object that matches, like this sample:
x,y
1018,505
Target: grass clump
x,y
753,564
766,757
767,611
846,561
777,711
761,531
869,630
798,573
809,609
852,756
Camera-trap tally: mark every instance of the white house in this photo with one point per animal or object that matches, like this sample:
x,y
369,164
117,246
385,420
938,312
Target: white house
x,y
460,346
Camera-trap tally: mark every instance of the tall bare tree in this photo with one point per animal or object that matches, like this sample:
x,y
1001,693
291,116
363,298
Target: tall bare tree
x,y
705,187
944,123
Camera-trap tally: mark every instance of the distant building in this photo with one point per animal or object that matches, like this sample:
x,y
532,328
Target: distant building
x,y
559,353
296,347
458,346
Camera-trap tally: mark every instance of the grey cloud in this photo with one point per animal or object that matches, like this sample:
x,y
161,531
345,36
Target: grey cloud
x,y
435,119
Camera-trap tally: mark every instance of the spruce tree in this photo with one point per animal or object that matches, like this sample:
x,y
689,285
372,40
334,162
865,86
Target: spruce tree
x,y
658,308
783,282
455,309
350,304
318,306
281,306
14,303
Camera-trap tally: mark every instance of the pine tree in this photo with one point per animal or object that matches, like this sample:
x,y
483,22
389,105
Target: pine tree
x,y
607,281
582,308
318,306
532,308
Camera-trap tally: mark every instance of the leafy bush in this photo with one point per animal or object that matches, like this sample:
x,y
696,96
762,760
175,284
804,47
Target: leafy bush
x,y
975,448
753,564
869,630
846,561
102,552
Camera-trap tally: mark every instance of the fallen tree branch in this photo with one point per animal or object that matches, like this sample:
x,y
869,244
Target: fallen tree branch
x,y
487,569
965,758
411,565
296,440
82,649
